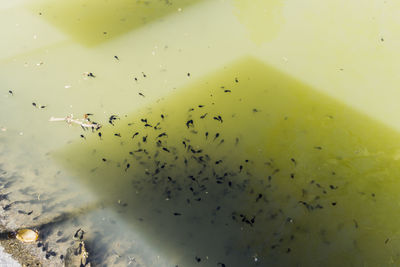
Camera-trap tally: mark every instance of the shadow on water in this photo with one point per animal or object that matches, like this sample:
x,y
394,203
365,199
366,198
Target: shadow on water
x,y
248,167
92,22
46,228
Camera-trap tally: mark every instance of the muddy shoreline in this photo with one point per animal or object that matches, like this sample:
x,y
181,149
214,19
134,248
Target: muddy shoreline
x,y
39,195
55,246
49,206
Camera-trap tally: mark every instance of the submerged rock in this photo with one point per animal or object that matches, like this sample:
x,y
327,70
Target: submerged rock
x,y
27,235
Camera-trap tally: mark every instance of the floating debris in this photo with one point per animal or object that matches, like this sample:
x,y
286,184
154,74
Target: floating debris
x,y
85,123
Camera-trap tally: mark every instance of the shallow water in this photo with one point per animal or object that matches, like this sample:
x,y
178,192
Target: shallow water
x,y
241,157
289,170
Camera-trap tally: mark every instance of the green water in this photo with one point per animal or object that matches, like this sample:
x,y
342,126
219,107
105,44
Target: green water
x,y
271,137
94,22
318,178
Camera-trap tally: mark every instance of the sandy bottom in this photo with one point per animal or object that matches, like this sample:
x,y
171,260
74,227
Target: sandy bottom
x,y
6,260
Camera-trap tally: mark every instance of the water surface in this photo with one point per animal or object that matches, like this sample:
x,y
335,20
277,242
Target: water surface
x,y
238,140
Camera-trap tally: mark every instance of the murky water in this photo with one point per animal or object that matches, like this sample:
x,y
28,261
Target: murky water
x,y
209,154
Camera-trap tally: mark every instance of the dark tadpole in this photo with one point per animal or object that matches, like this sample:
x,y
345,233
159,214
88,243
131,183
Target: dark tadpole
x,y
189,123
112,119
133,136
25,212
218,118
162,134
127,166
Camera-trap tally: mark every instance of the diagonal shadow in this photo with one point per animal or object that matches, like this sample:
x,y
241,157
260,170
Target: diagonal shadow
x,y
46,227
250,167
92,22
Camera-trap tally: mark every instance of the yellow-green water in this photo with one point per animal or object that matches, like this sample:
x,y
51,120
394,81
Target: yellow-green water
x,y
94,22
319,179
304,170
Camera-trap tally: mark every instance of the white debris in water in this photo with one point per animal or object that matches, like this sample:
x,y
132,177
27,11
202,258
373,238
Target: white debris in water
x,y
6,260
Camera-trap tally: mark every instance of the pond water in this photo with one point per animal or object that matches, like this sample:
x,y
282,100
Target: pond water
x,y
201,133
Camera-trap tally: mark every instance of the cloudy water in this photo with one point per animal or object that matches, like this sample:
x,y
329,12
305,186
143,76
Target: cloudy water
x,y
188,133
